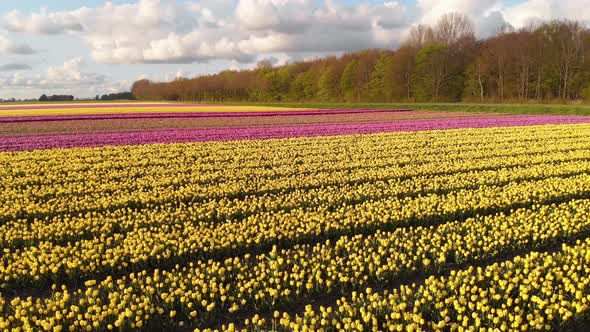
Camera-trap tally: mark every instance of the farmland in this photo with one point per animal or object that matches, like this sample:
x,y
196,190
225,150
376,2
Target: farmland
x,y
182,217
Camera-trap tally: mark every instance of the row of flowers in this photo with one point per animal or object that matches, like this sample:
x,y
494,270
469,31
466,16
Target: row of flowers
x,y
183,235
197,114
91,109
539,291
68,246
202,292
68,227
62,181
166,234
51,141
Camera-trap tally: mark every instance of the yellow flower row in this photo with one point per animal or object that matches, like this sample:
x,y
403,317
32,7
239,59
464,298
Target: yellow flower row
x,y
540,291
146,246
102,198
143,109
209,155
173,184
203,290
116,163
206,215
70,227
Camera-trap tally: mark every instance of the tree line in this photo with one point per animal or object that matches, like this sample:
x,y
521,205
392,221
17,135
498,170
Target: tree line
x,y
105,97
45,97
548,61
116,96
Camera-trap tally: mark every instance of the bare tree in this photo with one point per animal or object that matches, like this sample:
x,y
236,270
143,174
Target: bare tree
x,y
264,64
453,27
418,37
564,41
570,51
479,69
523,54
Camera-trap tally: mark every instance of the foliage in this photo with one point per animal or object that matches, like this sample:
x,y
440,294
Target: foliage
x,y
328,85
431,74
381,79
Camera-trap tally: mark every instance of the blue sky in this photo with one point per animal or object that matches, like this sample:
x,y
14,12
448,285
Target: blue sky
x,y
34,5
93,47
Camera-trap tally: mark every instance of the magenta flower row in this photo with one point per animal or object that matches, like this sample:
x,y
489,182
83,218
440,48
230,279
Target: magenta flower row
x,y
35,118
51,141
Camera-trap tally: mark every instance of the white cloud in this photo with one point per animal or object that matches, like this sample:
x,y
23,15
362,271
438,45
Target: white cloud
x,y
278,59
332,27
531,11
43,22
160,31
490,24
431,10
14,67
234,65
10,47
142,32
237,33
485,14
70,71
257,14
286,16
67,76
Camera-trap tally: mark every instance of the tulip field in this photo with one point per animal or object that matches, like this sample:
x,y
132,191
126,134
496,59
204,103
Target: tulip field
x,y
183,217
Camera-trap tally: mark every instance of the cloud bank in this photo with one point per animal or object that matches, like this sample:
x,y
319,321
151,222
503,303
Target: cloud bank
x,y
14,67
8,46
168,31
154,31
240,32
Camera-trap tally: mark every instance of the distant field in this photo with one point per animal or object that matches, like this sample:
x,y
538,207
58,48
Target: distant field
x,y
570,109
70,124
34,126
125,108
169,217
452,107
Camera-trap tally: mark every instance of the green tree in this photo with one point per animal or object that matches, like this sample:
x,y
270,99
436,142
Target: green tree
x,y
303,87
348,83
274,86
381,79
328,85
431,75
404,62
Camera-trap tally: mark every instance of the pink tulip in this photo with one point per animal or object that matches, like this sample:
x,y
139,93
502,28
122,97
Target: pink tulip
x,y
51,141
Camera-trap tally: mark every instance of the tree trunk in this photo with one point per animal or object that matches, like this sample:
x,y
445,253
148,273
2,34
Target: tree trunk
x,y
479,81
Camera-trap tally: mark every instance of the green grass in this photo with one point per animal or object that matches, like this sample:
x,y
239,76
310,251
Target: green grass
x,y
461,107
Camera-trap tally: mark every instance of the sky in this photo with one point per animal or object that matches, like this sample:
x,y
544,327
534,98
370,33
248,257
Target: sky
x,y
85,48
